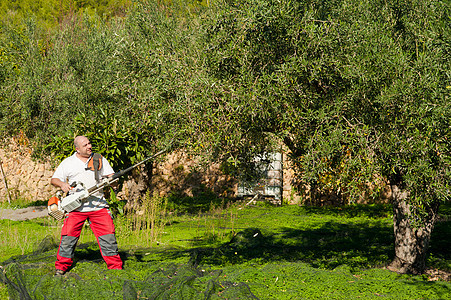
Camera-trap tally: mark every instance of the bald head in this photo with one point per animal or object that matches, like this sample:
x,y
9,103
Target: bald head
x,y
83,146
78,140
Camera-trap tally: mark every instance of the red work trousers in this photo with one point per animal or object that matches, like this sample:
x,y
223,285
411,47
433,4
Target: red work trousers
x,y
102,226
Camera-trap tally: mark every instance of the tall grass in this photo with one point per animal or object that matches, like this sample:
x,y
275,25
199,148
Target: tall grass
x,y
143,225
19,238
218,222
149,224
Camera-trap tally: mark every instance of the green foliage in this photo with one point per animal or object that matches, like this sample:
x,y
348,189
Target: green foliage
x,y
46,12
161,63
51,13
116,205
235,80
39,41
98,73
354,89
121,144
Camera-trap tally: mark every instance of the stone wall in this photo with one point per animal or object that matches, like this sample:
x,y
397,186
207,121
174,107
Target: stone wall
x,y
295,192
26,179
29,180
179,173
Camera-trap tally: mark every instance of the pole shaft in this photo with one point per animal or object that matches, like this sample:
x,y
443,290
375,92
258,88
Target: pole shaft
x,y
5,182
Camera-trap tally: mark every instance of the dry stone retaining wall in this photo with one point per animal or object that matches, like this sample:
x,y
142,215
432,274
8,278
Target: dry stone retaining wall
x,y
29,180
26,179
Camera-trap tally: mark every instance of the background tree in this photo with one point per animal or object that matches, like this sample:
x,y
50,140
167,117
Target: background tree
x,y
120,81
354,89
55,64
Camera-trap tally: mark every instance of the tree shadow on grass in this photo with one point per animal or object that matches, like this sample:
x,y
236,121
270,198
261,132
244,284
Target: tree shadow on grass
x,y
87,252
331,245
439,254
358,246
350,211
361,244
326,247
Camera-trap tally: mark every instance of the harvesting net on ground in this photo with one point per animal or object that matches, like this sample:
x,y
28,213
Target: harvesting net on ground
x,y
32,277
254,264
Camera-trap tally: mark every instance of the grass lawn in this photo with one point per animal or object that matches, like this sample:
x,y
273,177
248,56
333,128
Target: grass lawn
x,y
233,252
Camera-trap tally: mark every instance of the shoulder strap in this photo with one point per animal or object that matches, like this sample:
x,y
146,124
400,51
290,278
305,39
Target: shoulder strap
x,y
95,164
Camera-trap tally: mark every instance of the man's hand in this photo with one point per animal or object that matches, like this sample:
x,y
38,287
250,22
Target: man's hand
x,y
61,184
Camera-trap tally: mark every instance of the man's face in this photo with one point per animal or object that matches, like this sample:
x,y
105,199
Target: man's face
x,y
84,147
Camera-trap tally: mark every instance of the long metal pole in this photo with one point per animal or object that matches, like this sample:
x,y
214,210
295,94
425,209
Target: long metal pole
x,y
122,172
116,175
5,182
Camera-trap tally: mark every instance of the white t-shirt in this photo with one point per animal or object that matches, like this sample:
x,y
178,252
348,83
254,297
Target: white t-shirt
x,y
73,169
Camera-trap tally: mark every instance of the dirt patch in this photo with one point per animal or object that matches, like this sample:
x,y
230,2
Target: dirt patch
x,y
23,214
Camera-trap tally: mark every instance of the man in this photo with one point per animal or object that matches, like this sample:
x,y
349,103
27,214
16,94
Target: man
x,y
94,209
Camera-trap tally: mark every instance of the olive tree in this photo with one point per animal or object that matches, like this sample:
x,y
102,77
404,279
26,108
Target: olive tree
x,y
357,90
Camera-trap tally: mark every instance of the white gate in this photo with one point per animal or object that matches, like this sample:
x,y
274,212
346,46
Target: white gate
x,y
270,183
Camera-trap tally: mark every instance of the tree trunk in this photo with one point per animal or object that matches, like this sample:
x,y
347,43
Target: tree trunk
x,y
411,244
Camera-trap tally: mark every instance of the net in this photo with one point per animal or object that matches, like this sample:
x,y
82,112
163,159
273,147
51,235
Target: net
x,y
32,277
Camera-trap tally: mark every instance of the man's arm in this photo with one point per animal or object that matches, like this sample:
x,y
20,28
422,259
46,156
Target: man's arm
x,y
61,184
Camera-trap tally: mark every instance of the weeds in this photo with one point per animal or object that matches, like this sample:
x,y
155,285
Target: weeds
x,y
145,225
22,203
21,237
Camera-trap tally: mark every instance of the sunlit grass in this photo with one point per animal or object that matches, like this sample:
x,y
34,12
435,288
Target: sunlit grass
x,y
21,237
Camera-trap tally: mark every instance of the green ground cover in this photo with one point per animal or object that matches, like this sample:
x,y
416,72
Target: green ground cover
x,y
237,252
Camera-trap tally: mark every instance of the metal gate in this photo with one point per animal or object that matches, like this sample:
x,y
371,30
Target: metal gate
x,y
270,184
